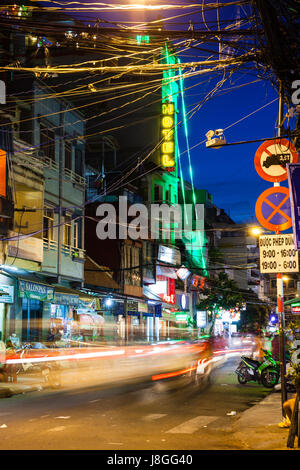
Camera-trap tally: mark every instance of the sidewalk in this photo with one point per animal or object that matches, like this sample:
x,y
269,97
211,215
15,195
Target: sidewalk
x,y
257,427
254,429
24,385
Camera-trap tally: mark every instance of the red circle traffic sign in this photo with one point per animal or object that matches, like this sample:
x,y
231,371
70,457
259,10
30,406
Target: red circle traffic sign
x,y
271,158
273,209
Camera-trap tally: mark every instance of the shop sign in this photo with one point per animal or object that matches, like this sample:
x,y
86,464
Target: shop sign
x,y
6,294
33,290
295,308
66,299
143,307
181,317
167,135
169,255
169,296
232,315
183,273
132,307
201,319
197,282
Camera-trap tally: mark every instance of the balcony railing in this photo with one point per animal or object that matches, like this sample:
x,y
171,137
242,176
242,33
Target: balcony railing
x,y
28,162
74,177
68,250
68,174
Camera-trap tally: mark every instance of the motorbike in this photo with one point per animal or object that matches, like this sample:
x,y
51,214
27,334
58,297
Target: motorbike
x,y
50,371
266,372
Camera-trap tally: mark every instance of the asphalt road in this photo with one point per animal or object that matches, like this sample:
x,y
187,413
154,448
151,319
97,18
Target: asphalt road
x,y
173,416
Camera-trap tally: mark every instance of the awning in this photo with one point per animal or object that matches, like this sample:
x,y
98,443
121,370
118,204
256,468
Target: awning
x,y
98,276
86,297
293,301
166,271
150,295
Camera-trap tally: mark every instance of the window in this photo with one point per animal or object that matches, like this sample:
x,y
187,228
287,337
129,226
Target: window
x,y
68,157
48,224
77,234
168,195
131,264
47,141
157,193
67,230
78,162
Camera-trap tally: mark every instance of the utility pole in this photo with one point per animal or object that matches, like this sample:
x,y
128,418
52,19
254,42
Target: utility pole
x,y
280,295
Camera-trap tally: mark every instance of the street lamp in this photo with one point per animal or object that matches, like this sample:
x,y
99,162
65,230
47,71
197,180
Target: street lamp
x,y
256,231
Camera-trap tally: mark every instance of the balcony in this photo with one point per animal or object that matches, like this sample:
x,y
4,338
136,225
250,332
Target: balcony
x,y
76,254
68,175
28,168
6,215
29,248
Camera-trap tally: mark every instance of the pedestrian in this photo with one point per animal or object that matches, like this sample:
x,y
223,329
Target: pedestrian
x,y
288,407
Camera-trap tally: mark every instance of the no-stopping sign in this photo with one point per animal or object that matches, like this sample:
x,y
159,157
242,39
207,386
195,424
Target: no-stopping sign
x,y
273,209
272,157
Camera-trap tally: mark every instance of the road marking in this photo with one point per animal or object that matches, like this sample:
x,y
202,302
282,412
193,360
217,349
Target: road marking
x,y
192,425
57,429
153,416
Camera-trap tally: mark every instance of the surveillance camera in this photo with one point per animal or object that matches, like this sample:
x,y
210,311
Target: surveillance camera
x,y
219,132
209,135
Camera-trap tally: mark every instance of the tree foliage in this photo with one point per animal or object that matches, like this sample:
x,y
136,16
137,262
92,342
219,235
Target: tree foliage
x,y
221,292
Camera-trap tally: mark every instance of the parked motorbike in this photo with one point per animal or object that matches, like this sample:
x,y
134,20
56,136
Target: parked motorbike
x,y
50,371
266,372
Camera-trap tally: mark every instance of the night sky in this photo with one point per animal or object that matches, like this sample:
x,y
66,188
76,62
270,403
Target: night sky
x,y
227,173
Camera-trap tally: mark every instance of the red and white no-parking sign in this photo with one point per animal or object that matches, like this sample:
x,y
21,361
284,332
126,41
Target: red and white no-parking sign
x,y
272,157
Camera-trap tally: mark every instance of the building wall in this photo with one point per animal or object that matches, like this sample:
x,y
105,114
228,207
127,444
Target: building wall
x,y
63,186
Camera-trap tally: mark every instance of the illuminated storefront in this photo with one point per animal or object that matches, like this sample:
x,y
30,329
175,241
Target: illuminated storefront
x,y
227,321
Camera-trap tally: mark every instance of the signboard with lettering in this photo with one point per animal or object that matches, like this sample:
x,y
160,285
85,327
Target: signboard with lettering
x,y
33,290
170,255
167,135
6,294
293,171
169,295
278,254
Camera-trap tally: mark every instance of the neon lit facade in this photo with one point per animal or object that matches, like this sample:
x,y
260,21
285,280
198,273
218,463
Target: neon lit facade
x,y
173,92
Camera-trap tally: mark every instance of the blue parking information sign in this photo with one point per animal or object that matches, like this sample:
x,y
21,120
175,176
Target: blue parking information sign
x,y
293,171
